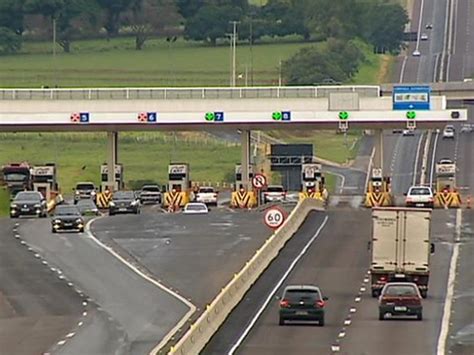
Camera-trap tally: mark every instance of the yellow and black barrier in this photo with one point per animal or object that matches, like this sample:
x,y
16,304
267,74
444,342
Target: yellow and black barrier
x,y
447,199
316,195
243,199
378,199
103,199
176,199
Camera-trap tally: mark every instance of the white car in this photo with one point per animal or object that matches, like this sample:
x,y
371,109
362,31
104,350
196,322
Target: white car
x,y
207,195
274,193
467,128
416,53
195,208
408,132
424,37
420,196
448,132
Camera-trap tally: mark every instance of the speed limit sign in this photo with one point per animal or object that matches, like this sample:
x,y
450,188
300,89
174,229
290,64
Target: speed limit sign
x,y
259,181
274,217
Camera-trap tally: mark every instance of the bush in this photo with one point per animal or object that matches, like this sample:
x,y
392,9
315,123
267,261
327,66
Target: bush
x,y
10,42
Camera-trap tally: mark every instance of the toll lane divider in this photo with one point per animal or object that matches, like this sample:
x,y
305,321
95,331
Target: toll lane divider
x,y
216,313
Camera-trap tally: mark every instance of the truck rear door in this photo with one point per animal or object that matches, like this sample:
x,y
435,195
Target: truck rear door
x,y
416,240
384,240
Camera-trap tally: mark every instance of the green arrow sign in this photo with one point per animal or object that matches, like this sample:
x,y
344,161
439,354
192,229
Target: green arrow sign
x,y
343,115
277,116
411,115
210,116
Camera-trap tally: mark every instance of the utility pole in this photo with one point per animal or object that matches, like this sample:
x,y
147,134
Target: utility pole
x,y
55,83
251,51
234,45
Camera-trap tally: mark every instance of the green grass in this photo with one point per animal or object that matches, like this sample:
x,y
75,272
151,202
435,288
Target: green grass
x,y
144,156
4,202
98,63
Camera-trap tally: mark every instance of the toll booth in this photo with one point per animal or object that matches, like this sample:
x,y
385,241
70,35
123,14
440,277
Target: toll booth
x,y
313,182
378,192
179,184
17,177
446,194
44,179
238,175
119,181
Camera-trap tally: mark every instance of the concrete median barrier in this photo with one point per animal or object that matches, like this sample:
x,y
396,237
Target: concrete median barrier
x,y
215,313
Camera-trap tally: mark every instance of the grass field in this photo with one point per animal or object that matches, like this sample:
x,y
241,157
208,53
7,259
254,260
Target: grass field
x,y
4,202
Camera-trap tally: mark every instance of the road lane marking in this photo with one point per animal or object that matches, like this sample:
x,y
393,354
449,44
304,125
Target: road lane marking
x,y
184,319
417,157
269,298
445,322
435,147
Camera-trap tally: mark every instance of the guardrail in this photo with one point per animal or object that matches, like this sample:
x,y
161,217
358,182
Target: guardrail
x,y
215,314
290,92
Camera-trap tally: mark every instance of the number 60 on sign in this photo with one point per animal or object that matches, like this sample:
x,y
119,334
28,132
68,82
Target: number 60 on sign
x,y
274,217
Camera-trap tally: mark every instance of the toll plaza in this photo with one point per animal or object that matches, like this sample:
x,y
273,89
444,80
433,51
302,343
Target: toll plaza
x,y
179,185
313,182
378,192
447,195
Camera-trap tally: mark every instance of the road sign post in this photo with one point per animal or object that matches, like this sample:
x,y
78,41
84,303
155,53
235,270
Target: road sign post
x,y
274,217
259,181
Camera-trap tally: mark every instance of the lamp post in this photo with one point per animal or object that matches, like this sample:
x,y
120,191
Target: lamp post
x,y
234,45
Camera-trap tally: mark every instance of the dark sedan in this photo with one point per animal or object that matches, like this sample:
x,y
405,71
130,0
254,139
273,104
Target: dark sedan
x,y
400,299
124,202
302,303
87,208
28,203
67,218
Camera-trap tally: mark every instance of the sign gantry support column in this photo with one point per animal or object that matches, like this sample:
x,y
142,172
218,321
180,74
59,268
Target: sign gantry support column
x,y
245,158
112,152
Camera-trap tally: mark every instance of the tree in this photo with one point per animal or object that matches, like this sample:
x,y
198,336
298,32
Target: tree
x,y
211,22
112,10
11,15
148,17
385,25
189,8
10,42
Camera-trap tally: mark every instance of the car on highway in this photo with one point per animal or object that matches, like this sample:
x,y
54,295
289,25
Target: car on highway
x,y
429,26
207,195
84,190
416,53
448,132
467,128
419,196
67,217
397,130
445,161
124,202
274,193
408,132
87,208
302,303
150,194
424,37
400,299
28,203
196,208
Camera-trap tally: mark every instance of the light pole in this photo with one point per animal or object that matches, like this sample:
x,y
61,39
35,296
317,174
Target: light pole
x,y
234,45
54,53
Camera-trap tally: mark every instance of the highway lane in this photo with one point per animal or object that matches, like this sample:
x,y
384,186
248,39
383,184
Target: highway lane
x,y
179,249
36,308
338,270
145,312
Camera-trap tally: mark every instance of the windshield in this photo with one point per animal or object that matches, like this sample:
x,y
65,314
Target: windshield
x,y
151,188
28,196
405,290
417,191
66,211
15,177
296,295
195,207
206,190
124,195
85,187
275,189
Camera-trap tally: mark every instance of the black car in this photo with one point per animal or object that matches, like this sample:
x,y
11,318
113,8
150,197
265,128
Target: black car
x,y
67,218
87,208
302,303
124,202
400,299
85,190
28,203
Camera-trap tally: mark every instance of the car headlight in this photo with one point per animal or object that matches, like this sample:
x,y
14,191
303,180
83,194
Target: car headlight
x,y
93,193
79,221
134,203
111,204
13,205
38,205
57,221
77,192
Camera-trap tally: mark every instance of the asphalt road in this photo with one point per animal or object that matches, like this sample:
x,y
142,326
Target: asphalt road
x,y
133,306
181,249
36,308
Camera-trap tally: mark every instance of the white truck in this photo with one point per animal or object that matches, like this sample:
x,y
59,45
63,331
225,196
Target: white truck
x,y
401,247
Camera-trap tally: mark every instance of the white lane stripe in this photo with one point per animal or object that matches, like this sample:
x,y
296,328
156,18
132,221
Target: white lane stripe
x,y
192,307
420,21
435,147
367,176
443,335
340,176
417,158
275,289
402,69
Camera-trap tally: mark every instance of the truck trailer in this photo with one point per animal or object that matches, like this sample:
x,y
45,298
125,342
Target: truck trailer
x,y
400,247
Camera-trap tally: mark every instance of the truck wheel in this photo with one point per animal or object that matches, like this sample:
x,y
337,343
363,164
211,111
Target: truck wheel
x,y
381,315
424,293
419,316
375,293
321,322
281,321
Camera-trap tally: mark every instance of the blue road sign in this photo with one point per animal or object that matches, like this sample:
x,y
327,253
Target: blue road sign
x,y
416,97
84,117
151,117
286,116
219,116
